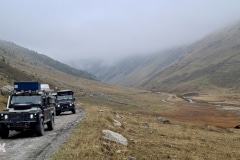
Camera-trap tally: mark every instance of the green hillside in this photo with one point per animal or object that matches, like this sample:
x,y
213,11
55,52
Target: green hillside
x,y
212,62
8,73
9,49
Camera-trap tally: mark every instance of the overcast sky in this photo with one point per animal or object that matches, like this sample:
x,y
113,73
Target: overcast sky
x,y
111,29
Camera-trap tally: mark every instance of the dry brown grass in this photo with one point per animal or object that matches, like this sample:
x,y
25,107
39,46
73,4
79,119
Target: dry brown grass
x,y
148,138
225,98
3,102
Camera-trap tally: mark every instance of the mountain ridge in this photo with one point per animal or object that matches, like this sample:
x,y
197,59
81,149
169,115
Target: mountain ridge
x,y
10,49
209,63
215,60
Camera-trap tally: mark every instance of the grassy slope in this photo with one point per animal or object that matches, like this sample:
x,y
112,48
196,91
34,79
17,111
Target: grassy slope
x,y
7,75
212,62
13,51
3,102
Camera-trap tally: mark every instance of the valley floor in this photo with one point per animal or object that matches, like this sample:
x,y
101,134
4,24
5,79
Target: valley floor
x,y
202,112
196,130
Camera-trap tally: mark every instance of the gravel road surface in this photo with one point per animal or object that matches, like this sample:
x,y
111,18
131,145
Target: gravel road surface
x,y
27,146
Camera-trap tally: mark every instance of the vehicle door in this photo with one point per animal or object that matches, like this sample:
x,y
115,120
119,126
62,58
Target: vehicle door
x,y
46,110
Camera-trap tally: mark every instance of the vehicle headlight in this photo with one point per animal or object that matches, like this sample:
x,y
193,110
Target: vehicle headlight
x,y
71,104
58,105
5,116
31,116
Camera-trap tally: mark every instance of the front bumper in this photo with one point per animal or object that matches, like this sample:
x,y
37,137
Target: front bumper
x,y
19,125
64,107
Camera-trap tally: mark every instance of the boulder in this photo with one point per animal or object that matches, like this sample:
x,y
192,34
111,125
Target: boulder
x,y
6,90
113,136
117,123
118,116
145,125
131,158
163,120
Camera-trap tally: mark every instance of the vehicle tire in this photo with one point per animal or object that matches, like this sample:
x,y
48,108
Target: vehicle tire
x,y
50,124
74,110
40,128
4,132
57,113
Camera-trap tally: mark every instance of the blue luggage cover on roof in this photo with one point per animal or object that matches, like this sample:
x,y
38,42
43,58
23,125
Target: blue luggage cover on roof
x,y
26,86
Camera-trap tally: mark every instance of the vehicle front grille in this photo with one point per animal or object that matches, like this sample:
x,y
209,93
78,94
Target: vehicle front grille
x,y
18,117
65,105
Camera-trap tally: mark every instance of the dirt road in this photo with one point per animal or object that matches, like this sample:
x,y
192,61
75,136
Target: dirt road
x,y
27,145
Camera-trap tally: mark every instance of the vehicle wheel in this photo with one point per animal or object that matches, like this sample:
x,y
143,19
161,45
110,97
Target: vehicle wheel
x,y
40,128
74,110
50,124
4,132
57,113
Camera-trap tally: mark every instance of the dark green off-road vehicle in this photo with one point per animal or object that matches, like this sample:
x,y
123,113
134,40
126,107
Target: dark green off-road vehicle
x,y
28,108
65,101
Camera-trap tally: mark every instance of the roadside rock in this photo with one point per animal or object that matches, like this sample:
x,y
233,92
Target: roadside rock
x,y
237,127
188,99
116,137
131,158
163,120
118,151
98,95
118,116
6,90
145,125
117,123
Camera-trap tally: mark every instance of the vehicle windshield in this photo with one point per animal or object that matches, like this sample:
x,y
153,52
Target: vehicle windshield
x,y
33,99
64,97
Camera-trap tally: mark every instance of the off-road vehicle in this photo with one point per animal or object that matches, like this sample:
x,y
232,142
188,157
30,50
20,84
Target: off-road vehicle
x,y
64,101
28,108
